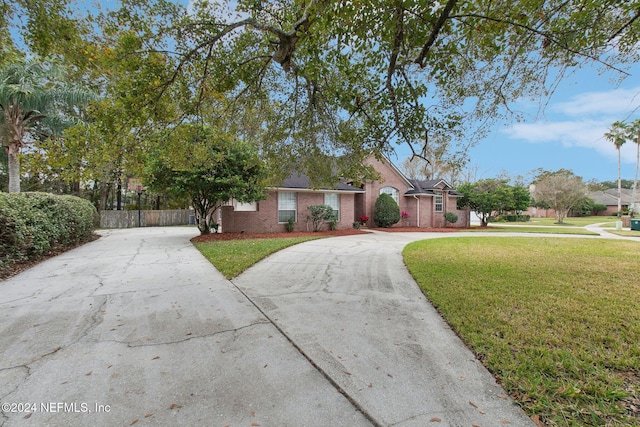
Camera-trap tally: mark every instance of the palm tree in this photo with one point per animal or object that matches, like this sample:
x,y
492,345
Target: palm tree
x,y
617,135
34,103
634,135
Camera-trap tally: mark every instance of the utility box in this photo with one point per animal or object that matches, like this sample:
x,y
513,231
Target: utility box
x,y
635,224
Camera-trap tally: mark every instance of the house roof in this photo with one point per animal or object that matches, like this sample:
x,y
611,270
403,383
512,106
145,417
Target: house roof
x,y
609,197
430,187
301,182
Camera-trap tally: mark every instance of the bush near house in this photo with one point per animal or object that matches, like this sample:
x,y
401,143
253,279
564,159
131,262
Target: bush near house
x,y
33,224
386,211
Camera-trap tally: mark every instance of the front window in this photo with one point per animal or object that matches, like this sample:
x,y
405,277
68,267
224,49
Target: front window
x,y
439,203
392,192
287,206
333,200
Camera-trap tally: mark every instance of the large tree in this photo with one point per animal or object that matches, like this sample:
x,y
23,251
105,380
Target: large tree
x,y
352,77
560,190
35,103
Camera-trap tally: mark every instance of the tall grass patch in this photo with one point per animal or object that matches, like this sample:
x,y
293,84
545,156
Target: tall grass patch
x,y
232,257
557,320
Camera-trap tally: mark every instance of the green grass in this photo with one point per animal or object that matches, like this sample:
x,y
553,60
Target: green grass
x,y
574,222
232,257
556,320
528,228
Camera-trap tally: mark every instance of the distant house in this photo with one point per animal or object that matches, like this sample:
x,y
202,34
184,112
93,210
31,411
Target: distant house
x,y
609,198
425,202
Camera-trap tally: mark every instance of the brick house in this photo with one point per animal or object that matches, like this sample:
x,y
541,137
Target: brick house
x,y
425,202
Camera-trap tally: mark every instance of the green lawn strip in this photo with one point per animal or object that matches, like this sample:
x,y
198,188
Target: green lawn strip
x,y
232,257
533,229
574,221
556,320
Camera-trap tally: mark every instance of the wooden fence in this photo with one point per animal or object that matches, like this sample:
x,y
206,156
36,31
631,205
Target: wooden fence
x,y
129,219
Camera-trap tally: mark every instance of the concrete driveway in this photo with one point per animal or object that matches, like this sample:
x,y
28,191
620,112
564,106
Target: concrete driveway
x,y
137,328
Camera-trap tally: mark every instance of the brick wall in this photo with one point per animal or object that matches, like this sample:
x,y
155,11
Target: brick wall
x,y
265,219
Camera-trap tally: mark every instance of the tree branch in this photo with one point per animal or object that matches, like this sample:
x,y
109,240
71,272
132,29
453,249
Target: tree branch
x,y
434,33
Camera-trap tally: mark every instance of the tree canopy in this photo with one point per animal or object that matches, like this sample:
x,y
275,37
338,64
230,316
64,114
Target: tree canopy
x,y
208,169
560,190
304,79
489,196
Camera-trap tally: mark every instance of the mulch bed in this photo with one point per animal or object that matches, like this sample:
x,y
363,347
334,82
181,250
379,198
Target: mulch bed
x,y
238,236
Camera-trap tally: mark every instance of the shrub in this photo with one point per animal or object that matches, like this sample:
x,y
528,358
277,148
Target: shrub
x,y
386,211
450,217
32,224
290,225
319,214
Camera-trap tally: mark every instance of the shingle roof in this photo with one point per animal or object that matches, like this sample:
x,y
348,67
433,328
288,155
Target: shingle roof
x,y
302,182
609,197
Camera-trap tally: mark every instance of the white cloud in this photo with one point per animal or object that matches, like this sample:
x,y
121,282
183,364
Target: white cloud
x,y
582,122
617,102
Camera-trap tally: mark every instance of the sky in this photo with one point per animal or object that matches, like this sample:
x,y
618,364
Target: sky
x,y
568,133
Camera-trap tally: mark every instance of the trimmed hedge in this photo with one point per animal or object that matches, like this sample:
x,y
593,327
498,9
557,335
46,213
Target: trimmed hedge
x,y
32,224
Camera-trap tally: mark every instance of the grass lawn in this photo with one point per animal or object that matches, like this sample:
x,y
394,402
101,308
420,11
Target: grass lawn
x,y
232,257
610,221
527,227
556,320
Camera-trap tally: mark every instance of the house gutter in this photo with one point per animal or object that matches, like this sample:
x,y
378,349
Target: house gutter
x,y
418,203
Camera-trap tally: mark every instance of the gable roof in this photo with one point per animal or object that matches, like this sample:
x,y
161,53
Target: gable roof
x,y
430,187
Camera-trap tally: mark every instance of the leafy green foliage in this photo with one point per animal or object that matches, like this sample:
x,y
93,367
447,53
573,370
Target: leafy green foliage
x,y
319,215
386,211
493,195
450,217
223,170
31,224
35,101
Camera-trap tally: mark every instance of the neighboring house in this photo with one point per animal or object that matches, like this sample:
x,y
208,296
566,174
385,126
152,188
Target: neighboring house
x,y
609,198
424,201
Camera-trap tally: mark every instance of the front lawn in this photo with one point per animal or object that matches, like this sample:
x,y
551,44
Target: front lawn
x,y
526,227
556,320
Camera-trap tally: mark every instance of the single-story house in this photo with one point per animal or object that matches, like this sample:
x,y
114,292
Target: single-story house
x,y
424,202
609,198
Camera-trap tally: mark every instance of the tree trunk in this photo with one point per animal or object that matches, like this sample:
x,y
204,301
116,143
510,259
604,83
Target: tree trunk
x,y
635,180
619,186
14,170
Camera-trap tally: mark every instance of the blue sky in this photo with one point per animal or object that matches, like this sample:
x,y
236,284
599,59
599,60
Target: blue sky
x,y
568,133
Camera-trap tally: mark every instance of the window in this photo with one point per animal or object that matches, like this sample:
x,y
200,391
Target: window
x,y
333,200
439,203
287,205
246,207
392,192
